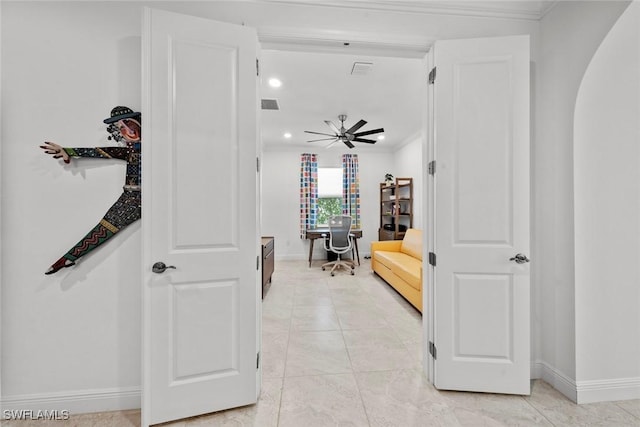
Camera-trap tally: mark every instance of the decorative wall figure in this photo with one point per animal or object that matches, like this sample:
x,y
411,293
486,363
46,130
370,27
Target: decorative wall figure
x,y
124,127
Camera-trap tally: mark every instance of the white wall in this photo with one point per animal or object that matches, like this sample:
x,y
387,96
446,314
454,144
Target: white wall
x,y
408,164
281,192
281,197
607,217
570,34
76,332
72,341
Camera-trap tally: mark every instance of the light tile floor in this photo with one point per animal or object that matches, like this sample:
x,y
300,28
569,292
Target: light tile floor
x,y
346,351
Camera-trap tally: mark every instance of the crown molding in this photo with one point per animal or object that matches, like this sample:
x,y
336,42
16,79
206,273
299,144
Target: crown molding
x,y
547,6
525,10
419,134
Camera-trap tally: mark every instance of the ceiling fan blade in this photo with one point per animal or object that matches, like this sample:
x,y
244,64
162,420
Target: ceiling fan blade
x,y
332,142
355,127
368,141
323,139
369,132
320,133
333,127
348,143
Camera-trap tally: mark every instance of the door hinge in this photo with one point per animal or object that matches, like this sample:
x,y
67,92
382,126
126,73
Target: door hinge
x,y
432,259
432,350
257,262
432,167
258,164
432,76
258,360
257,67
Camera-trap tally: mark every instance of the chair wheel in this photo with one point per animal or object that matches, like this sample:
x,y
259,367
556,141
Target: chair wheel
x,y
333,274
353,273
322,268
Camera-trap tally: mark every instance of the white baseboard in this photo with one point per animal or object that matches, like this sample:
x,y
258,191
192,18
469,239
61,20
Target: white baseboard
x,y
555,378
292,257
536,370
77,402
608,390
587,391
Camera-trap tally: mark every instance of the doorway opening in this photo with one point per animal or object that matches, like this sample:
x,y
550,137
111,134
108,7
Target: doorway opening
x,y
317,85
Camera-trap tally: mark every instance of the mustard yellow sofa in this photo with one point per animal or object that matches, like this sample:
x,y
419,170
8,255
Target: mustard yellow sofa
x,y
399,263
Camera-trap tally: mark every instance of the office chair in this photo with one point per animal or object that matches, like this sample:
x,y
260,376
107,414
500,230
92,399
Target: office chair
x,y
340,242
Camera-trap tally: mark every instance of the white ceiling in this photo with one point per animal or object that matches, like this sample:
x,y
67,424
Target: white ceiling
x,y
320,86
317,84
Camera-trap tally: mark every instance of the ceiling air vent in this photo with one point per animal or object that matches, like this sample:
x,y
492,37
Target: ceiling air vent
x,y
361,68
270,104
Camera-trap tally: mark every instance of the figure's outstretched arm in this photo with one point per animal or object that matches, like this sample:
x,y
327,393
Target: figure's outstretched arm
x,y
65,153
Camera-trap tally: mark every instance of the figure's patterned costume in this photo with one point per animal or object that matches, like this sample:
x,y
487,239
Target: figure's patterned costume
x,y
126,210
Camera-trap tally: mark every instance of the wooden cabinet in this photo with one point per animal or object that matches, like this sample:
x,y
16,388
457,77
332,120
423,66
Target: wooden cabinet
x,y
396,209
267,263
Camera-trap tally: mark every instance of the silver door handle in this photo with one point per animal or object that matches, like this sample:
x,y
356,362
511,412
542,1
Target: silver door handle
x,y
520,259
160,267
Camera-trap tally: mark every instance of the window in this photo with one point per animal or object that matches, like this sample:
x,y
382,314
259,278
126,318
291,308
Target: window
x,y
329,194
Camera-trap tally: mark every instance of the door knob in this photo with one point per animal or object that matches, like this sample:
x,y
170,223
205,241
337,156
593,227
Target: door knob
x,y
520,259
160,267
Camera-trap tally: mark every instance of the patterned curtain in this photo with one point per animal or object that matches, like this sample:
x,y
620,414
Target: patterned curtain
x,y
351,188
308,192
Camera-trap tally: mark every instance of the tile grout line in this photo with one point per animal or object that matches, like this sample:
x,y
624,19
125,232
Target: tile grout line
x,y
538,411
353,373
286,353
628,412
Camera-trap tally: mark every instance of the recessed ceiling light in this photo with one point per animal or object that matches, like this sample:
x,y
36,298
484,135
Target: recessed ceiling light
x,y
381,137
275,82
287,135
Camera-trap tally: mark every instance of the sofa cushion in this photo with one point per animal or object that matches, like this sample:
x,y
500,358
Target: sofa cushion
x,y
402,265
383,257
412,243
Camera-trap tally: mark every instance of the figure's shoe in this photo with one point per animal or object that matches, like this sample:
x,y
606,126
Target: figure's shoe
x,y
59,264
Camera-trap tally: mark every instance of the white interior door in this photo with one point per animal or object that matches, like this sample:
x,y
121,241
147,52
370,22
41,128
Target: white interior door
x,y
200,215
481,330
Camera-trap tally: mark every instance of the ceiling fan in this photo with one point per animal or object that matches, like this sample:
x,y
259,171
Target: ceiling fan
x,y
347,136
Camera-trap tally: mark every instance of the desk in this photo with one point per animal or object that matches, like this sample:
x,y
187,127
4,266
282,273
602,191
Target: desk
x,y
316,233
267,263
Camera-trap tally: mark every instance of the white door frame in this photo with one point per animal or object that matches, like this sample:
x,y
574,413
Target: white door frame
x,y
429,239
330,41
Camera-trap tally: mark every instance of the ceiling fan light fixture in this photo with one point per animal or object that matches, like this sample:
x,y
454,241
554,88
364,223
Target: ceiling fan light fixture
x,y
287,135
381,137
346,136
